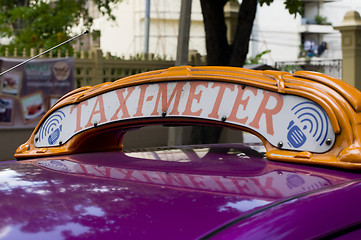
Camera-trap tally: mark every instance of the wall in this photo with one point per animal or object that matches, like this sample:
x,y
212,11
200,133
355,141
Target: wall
x,y
91,68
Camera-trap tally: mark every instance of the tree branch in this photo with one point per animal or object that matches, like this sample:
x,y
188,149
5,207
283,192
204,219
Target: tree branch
x,y
218,50
240,46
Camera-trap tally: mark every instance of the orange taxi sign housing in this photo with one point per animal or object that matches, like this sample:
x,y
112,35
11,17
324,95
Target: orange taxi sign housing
x,y
305,117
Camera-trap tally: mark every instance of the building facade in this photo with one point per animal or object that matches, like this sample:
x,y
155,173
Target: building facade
x,y
126,37
288,37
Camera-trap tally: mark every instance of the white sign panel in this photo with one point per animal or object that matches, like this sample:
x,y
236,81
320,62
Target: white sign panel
x,y
297,122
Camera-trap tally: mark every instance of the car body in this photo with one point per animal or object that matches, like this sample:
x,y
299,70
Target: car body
x,y
74,180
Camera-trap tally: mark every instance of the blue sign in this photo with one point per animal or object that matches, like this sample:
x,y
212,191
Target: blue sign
x,y
314,122
52,128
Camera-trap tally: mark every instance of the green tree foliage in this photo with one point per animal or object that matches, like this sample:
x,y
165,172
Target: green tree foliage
x,y
43,24
293,6
257,58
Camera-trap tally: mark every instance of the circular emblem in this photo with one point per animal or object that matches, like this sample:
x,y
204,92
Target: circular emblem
x,y
61,70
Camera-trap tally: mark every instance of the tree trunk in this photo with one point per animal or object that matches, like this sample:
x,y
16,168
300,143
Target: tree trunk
x,y
240,46
219,52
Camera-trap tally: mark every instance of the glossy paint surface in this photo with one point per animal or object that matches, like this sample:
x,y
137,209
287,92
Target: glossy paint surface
x,y
331,214
176,193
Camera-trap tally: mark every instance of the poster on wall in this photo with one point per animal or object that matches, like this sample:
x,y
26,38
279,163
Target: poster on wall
x,y
6,111
27,92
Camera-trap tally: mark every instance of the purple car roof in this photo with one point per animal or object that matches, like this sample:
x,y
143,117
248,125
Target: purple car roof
x,y
165,193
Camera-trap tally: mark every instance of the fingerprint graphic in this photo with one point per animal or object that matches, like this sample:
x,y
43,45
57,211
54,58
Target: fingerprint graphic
x,y
52,127
314,122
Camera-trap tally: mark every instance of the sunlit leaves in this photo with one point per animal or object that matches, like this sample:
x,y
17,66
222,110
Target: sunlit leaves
x,y
293,6
44,23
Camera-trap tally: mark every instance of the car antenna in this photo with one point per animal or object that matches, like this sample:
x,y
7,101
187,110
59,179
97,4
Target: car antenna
x,y
28,60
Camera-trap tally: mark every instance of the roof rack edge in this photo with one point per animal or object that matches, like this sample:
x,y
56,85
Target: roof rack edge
x,y
351,94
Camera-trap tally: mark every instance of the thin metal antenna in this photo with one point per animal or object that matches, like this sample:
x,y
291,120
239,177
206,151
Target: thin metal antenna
x,y
28,60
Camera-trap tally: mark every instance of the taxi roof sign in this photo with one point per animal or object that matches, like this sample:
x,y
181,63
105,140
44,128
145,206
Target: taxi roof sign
x,y
306,117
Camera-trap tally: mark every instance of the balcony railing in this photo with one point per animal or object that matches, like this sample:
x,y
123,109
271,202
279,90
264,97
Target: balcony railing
x,y
332,67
